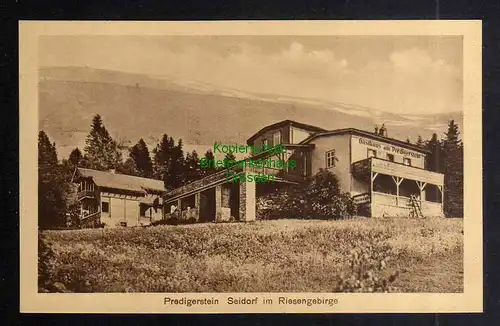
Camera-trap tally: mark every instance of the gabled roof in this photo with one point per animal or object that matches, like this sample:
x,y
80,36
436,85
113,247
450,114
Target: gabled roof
x,y
121,181
285,123
367,134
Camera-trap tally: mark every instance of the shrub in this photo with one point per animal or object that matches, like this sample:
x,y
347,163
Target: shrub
x,y
325,199
319,198
46,264
288,202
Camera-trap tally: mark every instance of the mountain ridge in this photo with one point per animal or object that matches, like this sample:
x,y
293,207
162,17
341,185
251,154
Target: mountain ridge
x,y
137,106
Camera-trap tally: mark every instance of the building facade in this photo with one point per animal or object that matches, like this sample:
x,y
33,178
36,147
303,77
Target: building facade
x,y
386,176
117,199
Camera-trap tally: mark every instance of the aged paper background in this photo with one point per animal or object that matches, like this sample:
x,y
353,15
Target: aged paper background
x,y
468,301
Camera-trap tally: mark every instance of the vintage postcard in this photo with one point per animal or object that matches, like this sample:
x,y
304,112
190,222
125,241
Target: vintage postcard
x,y
250,166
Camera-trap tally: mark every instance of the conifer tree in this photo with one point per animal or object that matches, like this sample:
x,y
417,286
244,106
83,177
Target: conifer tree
x,y
420,142
453,171
162,156
209,157
129,168
192,168
162,159
229,159
139,153
175,176
101,151
51,186
434,160
75,157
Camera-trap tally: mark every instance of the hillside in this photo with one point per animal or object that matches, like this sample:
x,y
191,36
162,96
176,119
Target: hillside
x,y
135,106
424,255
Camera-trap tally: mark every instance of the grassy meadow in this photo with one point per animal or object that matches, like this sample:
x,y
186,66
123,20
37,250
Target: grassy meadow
x,y
359,255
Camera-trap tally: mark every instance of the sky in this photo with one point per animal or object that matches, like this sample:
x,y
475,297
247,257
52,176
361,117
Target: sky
x,y
397,74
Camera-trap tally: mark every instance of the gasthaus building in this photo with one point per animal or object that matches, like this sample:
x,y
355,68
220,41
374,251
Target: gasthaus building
x,y
386,177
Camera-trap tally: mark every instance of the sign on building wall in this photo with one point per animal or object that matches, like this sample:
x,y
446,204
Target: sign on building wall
x,y
389,148
359,146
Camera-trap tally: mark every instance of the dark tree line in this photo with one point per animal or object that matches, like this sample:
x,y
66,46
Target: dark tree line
x,y
447,157
167,162
57,196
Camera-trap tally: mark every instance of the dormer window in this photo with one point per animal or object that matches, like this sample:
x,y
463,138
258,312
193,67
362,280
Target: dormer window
x,y
264,144
277,138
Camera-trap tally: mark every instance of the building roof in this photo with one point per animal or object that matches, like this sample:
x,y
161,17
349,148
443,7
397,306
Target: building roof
x,y
284,123
121,181
368,134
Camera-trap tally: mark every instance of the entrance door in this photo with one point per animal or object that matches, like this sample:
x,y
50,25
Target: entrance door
x,y
207,205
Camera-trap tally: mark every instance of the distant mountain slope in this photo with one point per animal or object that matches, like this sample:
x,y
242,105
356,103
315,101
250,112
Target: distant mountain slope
x,y
135,106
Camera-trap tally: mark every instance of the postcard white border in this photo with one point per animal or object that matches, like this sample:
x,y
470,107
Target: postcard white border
x,y
469,301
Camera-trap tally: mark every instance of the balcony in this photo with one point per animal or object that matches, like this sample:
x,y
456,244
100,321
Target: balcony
x,y
85,194
362,169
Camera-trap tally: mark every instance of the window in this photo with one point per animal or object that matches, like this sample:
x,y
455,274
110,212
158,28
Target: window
x,y
105,207
277,138
264,144
390,157
372,153
406,161
123,224
330,159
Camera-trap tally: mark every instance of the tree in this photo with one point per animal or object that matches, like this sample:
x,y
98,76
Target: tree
x,y
101,151
139,153
169,162
51,186
319,197
325,199
408,141
162,156
192,167
419,142
176,176
128,167
453,171
229,159
434,160
75,157
209,157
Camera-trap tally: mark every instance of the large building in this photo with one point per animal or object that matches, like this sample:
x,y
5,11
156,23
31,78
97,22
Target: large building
x,y
117,199
386,177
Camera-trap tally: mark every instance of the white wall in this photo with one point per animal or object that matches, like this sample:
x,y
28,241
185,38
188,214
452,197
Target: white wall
x,y
339,143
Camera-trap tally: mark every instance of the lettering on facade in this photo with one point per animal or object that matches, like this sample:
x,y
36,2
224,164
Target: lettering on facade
x,y
389,148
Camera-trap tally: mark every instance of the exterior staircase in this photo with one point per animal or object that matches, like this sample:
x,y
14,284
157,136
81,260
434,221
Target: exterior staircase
x,y
414,206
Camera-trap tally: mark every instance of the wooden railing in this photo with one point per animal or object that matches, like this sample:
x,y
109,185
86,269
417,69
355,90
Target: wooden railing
x,y
84,217
86,193
215,178
208,180
379,165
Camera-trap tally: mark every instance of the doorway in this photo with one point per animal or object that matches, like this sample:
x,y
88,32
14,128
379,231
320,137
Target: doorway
x,y
207,205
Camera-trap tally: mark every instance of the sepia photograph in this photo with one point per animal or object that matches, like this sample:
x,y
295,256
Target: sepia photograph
x,y
190,162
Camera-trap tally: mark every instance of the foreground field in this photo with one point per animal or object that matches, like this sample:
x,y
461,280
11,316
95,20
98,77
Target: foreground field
x,y
360,255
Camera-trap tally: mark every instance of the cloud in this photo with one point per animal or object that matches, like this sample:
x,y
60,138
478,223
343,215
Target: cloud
x,y
403,81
